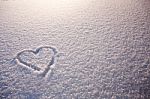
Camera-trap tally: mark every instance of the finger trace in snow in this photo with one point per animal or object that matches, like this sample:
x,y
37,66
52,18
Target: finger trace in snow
x,y
40,60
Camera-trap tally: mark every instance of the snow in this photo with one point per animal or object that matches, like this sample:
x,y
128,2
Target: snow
x,y
100,49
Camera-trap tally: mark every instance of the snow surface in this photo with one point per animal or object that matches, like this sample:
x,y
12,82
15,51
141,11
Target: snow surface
x,y
103,49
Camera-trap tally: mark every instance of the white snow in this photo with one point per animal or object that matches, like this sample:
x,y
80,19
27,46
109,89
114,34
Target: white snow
x,y
103,49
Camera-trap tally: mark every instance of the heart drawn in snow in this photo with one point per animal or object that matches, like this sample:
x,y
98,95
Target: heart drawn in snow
x,y
39,60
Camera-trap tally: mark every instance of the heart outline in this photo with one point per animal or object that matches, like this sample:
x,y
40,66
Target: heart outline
x,y
52,61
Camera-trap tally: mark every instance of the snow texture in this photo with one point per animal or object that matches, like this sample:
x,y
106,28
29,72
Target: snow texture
x,y
74,49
